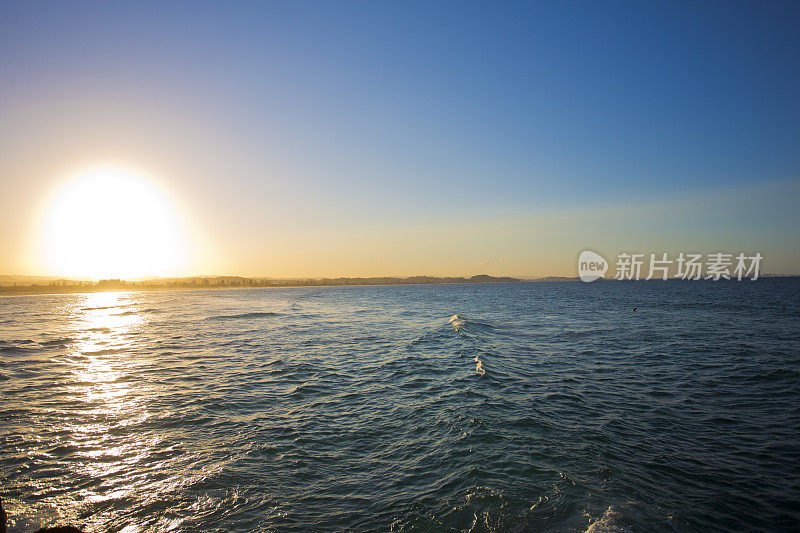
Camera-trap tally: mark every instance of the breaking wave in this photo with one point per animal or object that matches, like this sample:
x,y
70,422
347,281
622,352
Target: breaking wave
x,y
464,327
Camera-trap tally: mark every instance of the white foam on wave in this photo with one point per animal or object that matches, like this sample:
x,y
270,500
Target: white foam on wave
x,y
457,322
479,366
607,523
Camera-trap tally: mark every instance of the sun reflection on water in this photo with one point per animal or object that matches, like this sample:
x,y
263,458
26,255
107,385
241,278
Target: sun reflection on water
x,y
102,362
103,325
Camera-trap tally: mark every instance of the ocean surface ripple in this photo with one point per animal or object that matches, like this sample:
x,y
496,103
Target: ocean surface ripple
x,y
480,407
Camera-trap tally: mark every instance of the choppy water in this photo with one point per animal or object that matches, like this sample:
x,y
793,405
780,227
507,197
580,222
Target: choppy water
x,y
508,407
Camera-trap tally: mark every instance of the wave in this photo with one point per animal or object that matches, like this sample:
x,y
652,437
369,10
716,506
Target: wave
x,y
107,351
479,366
58,342
254,314
459,322
20,346
106,307
11,348
608,523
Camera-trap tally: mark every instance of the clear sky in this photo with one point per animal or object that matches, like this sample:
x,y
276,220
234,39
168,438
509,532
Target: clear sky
x,y
399,138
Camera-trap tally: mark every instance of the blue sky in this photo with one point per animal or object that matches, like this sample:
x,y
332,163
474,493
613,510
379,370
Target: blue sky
x,y
286,116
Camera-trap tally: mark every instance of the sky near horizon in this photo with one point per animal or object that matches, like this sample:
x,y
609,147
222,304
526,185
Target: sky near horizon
x,y
399,138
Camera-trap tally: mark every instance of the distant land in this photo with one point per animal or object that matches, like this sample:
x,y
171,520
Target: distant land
x,y
49,285
10,285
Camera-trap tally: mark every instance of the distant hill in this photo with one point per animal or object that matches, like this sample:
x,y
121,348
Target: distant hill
x,y
485,278
6,279
43,284
39,281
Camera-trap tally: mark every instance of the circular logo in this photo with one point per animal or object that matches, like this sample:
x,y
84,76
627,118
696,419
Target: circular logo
x,y
591,265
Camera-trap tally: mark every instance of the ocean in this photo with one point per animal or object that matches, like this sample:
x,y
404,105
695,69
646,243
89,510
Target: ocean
x,y
473,407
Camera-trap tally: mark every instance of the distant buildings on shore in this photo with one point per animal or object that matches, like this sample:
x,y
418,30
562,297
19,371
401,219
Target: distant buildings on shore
x,y
218,282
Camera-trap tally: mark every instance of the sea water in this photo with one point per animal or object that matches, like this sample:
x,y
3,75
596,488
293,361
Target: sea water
x,y
477,407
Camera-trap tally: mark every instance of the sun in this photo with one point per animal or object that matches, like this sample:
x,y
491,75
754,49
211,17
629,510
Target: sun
x,y
112,223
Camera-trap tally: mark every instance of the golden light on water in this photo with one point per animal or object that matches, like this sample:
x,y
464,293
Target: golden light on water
x,y
99,364
112,223
104,324
91,439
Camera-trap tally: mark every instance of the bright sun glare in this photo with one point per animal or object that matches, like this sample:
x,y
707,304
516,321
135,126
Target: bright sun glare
x,y
112,223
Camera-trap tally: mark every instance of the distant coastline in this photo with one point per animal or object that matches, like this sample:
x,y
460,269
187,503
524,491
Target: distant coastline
x,y
18,285
8,286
